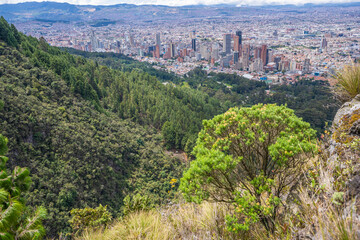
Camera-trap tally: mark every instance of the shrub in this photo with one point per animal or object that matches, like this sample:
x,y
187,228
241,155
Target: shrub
x,y
89,218
251,158
136,203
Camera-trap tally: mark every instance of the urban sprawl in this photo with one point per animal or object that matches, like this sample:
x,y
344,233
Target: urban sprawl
x,y
260,49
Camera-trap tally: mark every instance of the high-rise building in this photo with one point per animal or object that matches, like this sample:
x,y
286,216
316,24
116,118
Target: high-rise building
x,y
284,65
236,57
257,65
227,43
198,56
94,41
245,62
245,56
225,61
157,40
264,54
184,52
293,65
215,52
193,44
277,61
257,52
323,43
236,44
204,52
167,54
246,49
239,34
157,51
270,56
131,39
306,66
172,50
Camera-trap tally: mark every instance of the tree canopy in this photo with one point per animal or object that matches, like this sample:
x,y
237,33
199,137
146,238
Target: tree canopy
x,y
250,157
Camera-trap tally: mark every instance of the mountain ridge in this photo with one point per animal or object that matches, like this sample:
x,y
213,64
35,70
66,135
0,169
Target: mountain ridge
x,y
76,12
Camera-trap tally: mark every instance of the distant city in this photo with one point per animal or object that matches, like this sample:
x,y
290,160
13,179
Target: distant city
x,y
267,45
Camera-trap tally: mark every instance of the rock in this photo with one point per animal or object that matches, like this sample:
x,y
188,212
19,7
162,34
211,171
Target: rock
x,y
355,128
353,186
346,109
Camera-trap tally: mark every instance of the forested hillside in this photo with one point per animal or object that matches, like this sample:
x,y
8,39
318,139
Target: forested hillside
x,y
78,151
311,100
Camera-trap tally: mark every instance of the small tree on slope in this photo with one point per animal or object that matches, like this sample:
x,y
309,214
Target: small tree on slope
x,y
249,157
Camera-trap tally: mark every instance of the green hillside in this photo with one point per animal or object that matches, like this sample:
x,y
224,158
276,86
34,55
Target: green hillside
x,y
79,152
311,100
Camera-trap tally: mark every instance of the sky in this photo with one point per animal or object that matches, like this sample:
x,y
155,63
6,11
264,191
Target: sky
x,y
186,2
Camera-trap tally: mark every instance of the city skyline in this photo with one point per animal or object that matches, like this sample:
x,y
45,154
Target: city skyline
x,y
280,44
186,2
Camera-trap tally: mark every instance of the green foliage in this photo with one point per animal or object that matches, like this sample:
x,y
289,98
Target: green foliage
x,y
15,220
311,100
338,198
125,64
57,112
1,105
132,93
136,203
89,218
8,33
250,157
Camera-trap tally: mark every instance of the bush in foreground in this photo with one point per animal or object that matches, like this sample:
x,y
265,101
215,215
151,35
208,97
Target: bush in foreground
x,y
250,158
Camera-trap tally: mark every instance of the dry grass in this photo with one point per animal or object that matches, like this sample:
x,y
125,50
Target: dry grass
x,y
348,82
180,221
147,225
320,217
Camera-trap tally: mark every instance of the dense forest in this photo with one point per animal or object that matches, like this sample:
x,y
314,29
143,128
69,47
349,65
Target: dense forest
x,y
93,131
78,152
311,100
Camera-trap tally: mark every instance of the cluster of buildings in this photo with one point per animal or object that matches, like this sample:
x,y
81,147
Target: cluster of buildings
x,y
269,47
231,53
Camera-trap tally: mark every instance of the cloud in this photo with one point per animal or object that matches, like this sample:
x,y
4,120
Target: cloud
x,y
186,2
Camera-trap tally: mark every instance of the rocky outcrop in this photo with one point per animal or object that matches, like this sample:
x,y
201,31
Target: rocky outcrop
x,y
347,109
344,151
345,140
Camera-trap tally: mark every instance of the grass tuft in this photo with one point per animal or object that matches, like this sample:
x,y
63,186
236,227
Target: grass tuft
x,y
348,82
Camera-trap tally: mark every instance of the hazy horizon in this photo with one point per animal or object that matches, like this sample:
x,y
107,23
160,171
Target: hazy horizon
x,y
185,2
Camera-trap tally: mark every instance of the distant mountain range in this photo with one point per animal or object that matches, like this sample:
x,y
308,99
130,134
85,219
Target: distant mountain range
x,y
53,11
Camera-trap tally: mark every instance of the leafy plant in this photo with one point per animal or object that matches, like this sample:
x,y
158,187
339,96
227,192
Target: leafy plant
x,y
89,218
136,203
15,222
251,158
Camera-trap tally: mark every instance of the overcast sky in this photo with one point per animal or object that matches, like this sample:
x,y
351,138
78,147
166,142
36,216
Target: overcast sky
x,y
185,2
